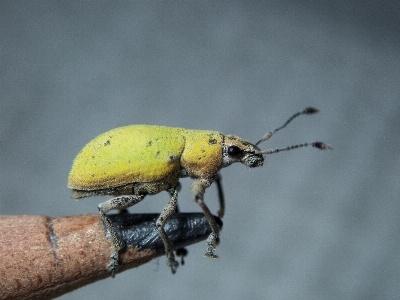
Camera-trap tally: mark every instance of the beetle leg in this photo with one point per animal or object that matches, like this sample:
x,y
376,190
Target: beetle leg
x,y
221,197
121,202
180,252
168,211
198,188
178,188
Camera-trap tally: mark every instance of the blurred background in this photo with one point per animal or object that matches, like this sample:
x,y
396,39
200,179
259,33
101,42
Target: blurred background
x,y
309,224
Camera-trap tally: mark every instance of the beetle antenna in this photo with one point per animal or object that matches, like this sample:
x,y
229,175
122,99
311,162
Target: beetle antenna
x,y
307,111
319,145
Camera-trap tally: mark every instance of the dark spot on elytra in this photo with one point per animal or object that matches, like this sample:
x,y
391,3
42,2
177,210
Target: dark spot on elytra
x,y
212,141
158,153
107,143
149,143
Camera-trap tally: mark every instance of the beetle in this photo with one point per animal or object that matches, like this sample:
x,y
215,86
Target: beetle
x,y
134,161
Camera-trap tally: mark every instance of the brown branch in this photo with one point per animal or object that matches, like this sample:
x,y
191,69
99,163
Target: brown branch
x,y
42,257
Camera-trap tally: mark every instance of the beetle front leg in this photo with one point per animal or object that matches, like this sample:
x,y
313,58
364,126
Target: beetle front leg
x,y
198,188
221,198
168,211
121,202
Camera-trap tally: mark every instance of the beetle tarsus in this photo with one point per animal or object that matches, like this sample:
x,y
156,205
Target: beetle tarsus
x,y
172,263
211,244
182,253
211,254
113,266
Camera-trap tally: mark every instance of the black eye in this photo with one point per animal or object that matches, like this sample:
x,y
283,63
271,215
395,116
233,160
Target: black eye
x,y
234,151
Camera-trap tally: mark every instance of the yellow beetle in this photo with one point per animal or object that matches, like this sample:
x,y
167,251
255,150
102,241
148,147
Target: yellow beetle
x,y
133,161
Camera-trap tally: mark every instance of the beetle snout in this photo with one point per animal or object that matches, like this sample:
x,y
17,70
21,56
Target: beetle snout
x,y
254,160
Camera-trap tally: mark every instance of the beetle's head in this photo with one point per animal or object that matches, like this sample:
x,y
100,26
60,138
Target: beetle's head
x,y
235,149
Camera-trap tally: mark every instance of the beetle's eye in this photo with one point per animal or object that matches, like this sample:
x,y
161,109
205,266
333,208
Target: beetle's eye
x,y
234,151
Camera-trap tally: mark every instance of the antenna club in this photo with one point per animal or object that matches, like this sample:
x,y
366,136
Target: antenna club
x,y
310,110
322,146
318,145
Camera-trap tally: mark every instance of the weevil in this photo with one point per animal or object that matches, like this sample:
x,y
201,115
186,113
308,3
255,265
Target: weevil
x,y
134,161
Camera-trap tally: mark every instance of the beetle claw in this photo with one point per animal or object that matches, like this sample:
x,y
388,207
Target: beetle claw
x,y
182,253
172,263
211,255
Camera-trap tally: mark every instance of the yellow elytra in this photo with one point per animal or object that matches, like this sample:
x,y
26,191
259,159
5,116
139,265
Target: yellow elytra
x,y
133,161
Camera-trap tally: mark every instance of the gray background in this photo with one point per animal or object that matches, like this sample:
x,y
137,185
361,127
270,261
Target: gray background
x,y
309,224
